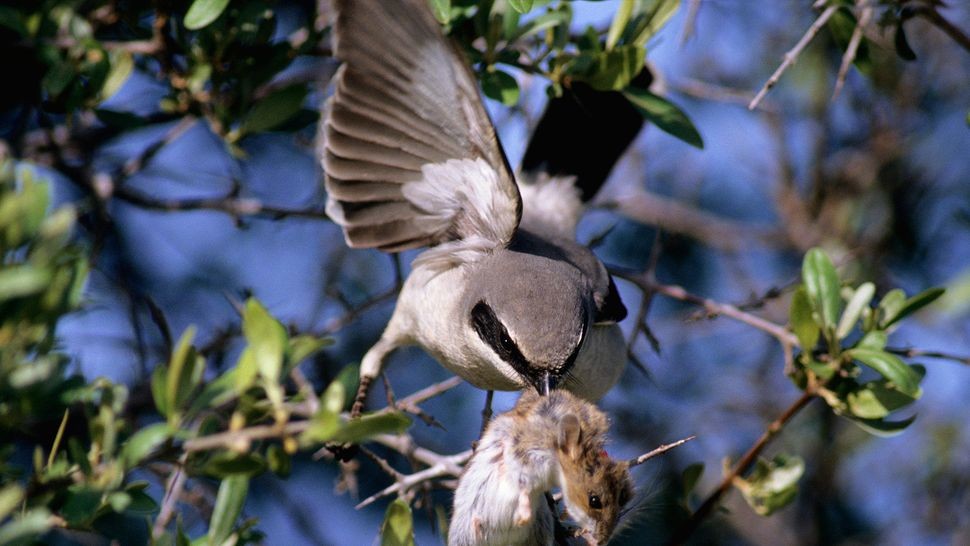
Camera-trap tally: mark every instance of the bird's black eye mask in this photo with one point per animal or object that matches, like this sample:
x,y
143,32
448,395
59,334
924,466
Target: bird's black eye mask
x,y
491,330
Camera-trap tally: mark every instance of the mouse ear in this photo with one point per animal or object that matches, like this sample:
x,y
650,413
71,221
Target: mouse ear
x,y
570,434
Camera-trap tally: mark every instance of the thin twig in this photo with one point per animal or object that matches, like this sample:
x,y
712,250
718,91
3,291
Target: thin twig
x,y
740,467
446,467
853,48
711,306
663,448
911,352
231,205
173,491
792,55
954,32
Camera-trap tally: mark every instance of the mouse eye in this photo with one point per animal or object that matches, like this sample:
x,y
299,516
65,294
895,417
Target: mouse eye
x,y
595,502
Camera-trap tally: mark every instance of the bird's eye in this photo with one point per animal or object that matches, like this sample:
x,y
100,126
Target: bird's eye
x,y
595,502
507,343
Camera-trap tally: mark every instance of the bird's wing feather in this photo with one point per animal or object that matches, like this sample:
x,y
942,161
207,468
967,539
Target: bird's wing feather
x,y
412,158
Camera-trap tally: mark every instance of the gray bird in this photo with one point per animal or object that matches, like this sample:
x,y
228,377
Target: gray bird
x,y
503,297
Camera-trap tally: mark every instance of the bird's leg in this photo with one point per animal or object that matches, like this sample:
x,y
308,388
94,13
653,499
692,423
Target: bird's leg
x,y
358,407
370,367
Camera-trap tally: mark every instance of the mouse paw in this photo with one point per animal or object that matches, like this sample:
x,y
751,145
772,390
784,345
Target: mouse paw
x,y
523,510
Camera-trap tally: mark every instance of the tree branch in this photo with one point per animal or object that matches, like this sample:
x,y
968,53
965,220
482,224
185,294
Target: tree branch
x,y
792,55
740,467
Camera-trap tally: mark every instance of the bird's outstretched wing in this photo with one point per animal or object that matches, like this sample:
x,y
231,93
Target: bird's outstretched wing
x,y
412,158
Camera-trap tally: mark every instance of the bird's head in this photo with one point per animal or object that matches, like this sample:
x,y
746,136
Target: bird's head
x,y
531,312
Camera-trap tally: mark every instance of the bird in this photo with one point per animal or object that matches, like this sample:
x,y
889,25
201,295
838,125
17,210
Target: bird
x,y
503,295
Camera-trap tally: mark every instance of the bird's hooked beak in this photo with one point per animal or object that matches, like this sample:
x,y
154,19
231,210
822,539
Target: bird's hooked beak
x,y
546,382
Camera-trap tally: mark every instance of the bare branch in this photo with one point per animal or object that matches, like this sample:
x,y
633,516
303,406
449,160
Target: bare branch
x,y
911,352
663,448
853,48
792,55
675,217
740,467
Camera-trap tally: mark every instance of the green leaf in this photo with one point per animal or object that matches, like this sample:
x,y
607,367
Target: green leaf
x,y
890,306
229,504
216,392
122,65
655,14
227,464
18,281
322,428
398,526
82,502
853,310
822,285
279,461
620,20
158,389
144,442
875,340
141,503
609,70
914,304
800,315
184,373
23,529
441,10
356,431
203,12
772,484
273,110
500,86
521,6
267,339
691,476
349,377
903,378
875,400
10,497
665,115
304,346
547,20
882,428
334,397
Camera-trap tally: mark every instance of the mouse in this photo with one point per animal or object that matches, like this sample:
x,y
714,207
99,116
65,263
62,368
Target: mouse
x,y
542,443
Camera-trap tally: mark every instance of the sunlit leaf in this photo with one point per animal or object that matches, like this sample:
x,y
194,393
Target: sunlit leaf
x,y
875,400
654,14
441,10
144,442
203,12
609,70
822,286
398,526
800,315
666,115
356,431
875,340
772,484
267,339
914,304
521,6
17,281
545,21
903,378
853,309
122,65
890,305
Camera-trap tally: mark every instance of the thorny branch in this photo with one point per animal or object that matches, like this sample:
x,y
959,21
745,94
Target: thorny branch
x,y
792,55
